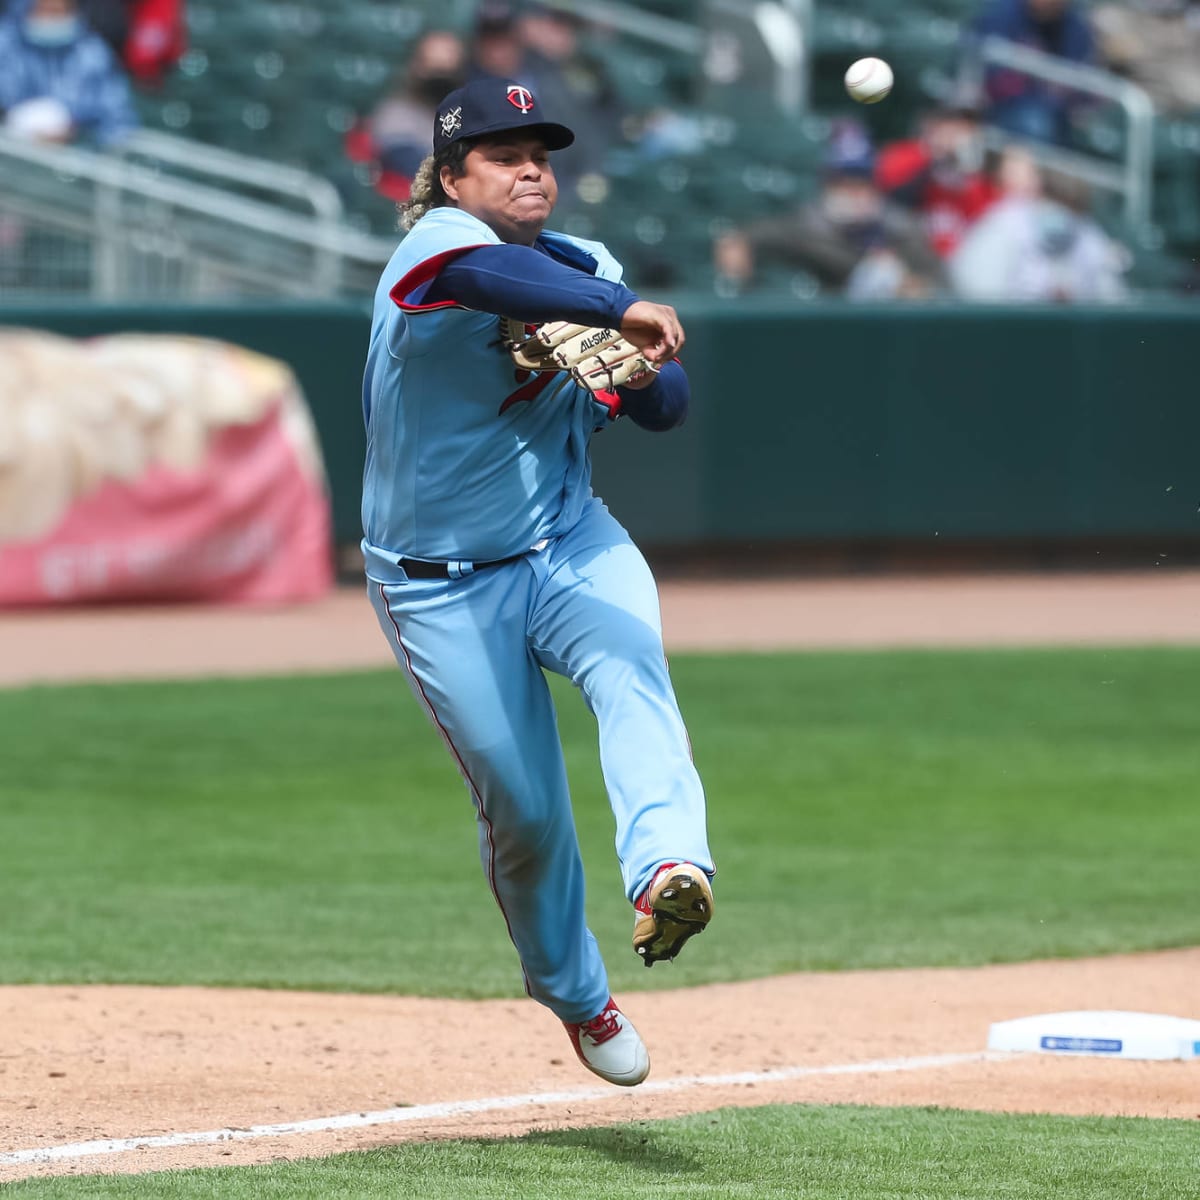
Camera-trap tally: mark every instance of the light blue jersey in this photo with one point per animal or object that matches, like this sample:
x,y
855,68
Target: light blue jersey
x,y
468,458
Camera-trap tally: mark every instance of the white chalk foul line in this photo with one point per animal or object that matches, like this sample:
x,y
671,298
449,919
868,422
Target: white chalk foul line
x,y
462,1108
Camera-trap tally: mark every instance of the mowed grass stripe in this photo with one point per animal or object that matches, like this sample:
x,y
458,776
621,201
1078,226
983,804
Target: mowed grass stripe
x,y
771,1153
867,810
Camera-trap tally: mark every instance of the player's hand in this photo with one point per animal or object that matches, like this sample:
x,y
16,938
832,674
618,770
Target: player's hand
x,y
654,329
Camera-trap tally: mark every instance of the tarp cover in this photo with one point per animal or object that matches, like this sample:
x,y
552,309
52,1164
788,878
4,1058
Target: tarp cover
x,y
156,467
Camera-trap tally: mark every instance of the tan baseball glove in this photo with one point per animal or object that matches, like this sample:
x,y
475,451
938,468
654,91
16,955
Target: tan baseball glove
x,y
597,359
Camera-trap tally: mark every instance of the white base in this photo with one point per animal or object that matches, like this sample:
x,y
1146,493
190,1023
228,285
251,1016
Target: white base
x,y
1104,1034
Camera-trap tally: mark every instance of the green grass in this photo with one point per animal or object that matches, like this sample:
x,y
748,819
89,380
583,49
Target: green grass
x,y
793,1153
870,809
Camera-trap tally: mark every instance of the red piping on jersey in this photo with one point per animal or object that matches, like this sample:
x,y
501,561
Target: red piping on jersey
x,y
422,273
610,400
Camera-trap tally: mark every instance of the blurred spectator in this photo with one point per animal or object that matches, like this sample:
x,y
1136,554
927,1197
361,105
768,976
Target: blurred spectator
x,y
1038,243
851,238
147,36
496,50
573,84
1156,43
60,81
156,40
398,132
939,175
1016,101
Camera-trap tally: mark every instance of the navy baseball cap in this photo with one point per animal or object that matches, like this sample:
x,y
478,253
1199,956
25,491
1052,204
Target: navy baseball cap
x,y
486,106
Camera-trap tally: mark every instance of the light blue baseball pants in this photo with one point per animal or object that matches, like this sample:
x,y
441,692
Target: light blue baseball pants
x,y
585,606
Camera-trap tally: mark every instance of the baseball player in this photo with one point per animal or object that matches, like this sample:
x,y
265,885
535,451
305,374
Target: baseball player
x,y
497,349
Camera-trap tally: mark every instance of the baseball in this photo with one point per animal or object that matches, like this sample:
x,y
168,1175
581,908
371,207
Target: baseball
x,y
869,80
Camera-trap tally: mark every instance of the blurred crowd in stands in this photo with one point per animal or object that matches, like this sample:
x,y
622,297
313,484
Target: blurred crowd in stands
x,y
66,65
931,216
941,212
935,214
536,44
1155,43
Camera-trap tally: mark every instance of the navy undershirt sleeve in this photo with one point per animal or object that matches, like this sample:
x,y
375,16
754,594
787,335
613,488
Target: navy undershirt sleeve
x,y
528,285
662,405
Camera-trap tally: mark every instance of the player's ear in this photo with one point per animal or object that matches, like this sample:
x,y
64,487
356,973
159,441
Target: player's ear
x,y
446,179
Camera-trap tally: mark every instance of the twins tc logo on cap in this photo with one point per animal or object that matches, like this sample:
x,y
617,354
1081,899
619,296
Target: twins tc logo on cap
x,y
492,106
520,97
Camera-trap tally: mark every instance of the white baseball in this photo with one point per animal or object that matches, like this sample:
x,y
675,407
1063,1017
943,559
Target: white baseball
x,y
869,80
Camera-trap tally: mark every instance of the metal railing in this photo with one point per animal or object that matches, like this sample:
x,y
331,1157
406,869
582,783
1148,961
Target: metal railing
x,y
170,217
1133,177
183,157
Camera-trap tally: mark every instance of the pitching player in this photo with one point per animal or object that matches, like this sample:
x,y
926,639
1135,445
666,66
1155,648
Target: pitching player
x,y
497,349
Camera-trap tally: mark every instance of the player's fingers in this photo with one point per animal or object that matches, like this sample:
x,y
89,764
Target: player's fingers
x,y
654,328
670,336
676,336
666,345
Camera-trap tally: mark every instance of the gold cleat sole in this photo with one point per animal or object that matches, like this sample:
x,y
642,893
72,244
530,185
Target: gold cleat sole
x,y
681,905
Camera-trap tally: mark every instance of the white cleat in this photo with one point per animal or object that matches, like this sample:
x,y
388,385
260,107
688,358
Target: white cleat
x,y
610,1046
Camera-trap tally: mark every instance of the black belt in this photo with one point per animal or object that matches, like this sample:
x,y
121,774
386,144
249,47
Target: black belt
x,y
416,568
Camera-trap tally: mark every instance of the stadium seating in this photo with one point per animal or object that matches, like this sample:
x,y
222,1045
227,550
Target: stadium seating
x,y
286,79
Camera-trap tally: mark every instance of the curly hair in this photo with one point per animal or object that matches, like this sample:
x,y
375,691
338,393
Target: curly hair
x,y
426,192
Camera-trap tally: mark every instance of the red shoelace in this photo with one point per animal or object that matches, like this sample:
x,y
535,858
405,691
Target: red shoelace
x,y
601,1028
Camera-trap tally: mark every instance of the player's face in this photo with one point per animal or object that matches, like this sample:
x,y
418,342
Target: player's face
x,y
508,184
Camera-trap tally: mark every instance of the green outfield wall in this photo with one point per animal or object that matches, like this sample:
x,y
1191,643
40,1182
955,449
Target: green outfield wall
x,y
832,423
